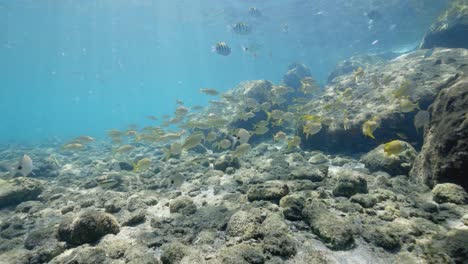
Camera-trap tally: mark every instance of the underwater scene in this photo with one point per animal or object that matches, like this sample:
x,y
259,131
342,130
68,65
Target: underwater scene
x,y
233,131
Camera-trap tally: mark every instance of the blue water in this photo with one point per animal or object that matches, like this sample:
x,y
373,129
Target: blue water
x,y
82,67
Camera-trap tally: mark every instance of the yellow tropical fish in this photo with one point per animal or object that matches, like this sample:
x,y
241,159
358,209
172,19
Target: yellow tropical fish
x,y
294,142
142,165
406,106
394,147
369,127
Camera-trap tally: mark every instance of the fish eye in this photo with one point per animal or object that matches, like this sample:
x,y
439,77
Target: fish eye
x,y
172,181
20,167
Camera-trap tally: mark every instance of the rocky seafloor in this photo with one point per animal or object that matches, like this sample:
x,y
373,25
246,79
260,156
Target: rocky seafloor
x,y
273,205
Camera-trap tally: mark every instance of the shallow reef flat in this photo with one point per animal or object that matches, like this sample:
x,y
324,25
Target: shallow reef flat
x,y
272,205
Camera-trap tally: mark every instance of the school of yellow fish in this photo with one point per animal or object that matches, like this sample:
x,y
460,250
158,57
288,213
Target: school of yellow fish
x,y
213,129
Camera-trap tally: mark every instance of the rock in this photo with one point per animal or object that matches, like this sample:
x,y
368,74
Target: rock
x,y
183,205
449,193
134,218
258,90
121,165
140,254
242,254
269,191
245,224
444,155
88,227
318,159
385,237
39,237
84,254
450,247
365,200
350,65
373,95
173,253
226,161
18,190
47,252
334,231
314,174
449,30
349,183
29,207
114,205
47,168
280,244
296,72
292,205
378,160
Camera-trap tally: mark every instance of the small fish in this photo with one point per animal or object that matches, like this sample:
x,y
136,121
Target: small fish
x,y
114,133
84,139
261,130
254,12
193,141
197,107
358,73
152,117
209,91
375,42
241,28
222,49
131,132
309,86
243,136
406,106
124,148
311,128
223,144
179,102
369,127
285,27
279,136
174,150
211,136
24,167
294,142
242,149
142,165
73,146
394,147
181,111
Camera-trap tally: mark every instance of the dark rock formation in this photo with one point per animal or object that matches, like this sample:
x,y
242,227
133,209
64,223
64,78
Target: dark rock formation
x,y
88,227
450,30
444,156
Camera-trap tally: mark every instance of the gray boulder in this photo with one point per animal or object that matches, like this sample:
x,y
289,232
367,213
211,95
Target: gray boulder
x,y
18,190
394,164
183,205
349,184
449,193
334,231
269,191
